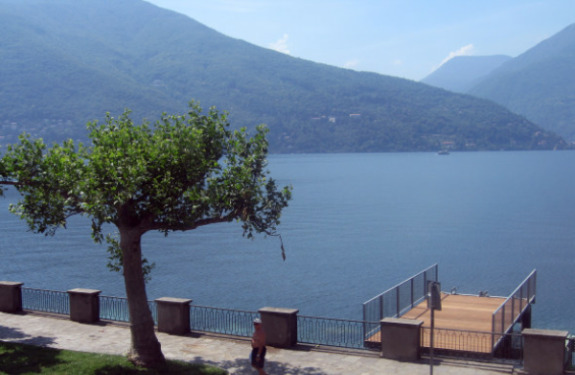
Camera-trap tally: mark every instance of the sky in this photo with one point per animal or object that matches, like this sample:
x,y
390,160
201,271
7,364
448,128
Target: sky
x,y
402,38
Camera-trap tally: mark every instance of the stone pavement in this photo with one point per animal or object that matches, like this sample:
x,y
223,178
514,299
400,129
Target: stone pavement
x,y
224,352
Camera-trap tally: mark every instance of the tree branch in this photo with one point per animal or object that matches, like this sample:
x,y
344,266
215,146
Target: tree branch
x,y
196,224
10,183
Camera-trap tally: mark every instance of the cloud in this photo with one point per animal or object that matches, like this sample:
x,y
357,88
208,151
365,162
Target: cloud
x,y
281,45
463,51
351,64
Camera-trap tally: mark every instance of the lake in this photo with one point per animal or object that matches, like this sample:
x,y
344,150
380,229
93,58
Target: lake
x,y
357,225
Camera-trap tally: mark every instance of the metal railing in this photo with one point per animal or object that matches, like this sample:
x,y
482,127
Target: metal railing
x,y
511,309
321,331
224,321
399,299
116,309
311,330
473,344
51,301
333,332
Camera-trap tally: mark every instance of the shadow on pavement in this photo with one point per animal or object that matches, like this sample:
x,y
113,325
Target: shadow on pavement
x,y
243,367
16,335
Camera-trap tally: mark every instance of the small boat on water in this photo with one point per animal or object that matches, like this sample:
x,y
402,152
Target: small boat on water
x,y
443,152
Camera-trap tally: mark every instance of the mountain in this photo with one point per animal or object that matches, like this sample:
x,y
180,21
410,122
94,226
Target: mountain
x,y
539,84
461,73
67,62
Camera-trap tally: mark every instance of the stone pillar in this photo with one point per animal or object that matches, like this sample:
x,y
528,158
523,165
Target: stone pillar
x,y
543,351
400,339
280,326
10,296
84,305
173,315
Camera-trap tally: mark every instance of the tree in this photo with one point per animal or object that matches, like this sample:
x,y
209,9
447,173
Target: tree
x,y
187,171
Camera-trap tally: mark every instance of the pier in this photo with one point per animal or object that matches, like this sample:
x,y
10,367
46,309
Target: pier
x,y
466,323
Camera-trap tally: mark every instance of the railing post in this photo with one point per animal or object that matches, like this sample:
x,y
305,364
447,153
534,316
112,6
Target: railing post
x,y
173,315
381,307
364,324
492,332
412,301
513,318
84,305
10,296
503,318
521,297
528,289
425,283
397,291
534,283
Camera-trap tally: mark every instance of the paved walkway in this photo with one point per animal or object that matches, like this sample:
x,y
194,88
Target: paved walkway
x,y
228,353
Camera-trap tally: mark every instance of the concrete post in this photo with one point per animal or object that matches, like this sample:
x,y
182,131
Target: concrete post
x,y
173,315
544,351
84,305
400,339
280,326
10,296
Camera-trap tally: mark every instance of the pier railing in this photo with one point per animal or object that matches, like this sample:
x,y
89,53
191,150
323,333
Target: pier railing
x,y
513,307
399,299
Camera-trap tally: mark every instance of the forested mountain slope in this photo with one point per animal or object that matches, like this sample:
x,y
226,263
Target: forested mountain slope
x,y
538,84
66,62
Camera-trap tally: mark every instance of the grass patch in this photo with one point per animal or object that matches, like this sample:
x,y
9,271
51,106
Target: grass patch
x,y
20,359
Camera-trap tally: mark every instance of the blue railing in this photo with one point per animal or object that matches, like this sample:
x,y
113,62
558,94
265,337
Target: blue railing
x,y
224,321
116,309
311,330
51,301
332,332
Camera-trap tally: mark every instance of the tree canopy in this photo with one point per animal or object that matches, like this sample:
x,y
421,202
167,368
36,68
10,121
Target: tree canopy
x,y
184,172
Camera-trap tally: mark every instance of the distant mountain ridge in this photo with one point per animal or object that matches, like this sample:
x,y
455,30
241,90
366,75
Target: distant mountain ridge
x,y
65,62
538,84
461,73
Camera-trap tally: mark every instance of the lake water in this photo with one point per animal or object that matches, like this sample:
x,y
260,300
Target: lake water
x,y
357,225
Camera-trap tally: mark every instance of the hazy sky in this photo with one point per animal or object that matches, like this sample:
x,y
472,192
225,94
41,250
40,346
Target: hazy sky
x,y
403,38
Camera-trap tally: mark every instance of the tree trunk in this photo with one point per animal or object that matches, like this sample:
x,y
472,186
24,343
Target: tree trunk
x,y
145,349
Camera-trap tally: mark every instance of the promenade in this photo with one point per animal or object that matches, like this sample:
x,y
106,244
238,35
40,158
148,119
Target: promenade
x,y
224,352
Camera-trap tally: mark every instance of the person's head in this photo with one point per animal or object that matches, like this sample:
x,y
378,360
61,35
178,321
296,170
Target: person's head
x,y
257,322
